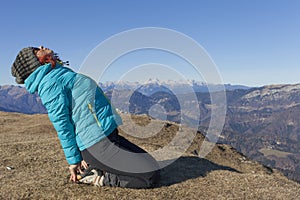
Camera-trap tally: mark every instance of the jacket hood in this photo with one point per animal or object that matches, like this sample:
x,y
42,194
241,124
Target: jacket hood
x,y
33,81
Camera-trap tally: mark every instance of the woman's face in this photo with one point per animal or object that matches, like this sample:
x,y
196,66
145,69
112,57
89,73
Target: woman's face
x,y
45,55
42,51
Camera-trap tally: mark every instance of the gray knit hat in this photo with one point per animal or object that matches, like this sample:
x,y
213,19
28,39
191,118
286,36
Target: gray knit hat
x,y
25,63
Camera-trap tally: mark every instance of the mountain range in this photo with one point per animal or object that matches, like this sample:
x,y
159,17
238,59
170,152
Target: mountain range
x,y
17,99
152,86
263,123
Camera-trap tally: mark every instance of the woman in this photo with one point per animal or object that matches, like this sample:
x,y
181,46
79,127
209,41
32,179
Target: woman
x,y
86,123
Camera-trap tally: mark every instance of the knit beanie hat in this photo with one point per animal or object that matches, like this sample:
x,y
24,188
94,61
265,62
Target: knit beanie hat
x,y
25,63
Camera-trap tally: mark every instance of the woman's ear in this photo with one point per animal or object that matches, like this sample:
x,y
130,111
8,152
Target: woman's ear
x,y
47,59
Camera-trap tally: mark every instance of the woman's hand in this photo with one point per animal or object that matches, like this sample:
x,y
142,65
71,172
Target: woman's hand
x,y
77,168
73,170
84,165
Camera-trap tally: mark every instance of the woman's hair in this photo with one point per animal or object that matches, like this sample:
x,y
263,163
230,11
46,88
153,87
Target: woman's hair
x,y
59,60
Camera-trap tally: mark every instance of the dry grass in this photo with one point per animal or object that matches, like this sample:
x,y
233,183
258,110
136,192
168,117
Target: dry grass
x,y
29,145
274,152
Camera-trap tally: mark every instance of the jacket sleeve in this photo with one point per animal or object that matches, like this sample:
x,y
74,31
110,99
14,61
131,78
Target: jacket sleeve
x,y
59,112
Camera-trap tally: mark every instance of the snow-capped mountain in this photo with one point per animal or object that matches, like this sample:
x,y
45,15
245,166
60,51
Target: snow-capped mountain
x,y
152,86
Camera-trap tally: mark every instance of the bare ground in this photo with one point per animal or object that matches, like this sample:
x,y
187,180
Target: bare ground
x,y
32,166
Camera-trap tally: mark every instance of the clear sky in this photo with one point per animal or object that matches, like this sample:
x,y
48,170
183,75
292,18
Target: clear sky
x,y
252,42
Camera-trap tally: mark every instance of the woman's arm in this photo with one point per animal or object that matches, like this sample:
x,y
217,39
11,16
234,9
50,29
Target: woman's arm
x,y
59,112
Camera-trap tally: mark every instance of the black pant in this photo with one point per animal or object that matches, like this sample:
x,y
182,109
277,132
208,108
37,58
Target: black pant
x,y
124,163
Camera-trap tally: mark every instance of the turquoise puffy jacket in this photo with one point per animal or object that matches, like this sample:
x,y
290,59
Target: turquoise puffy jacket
x,y
77,107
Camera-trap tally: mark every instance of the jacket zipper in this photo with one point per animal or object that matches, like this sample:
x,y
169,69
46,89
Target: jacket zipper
x,y
94,114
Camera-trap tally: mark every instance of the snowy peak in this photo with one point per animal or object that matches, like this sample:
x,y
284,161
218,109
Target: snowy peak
x,y
151,86
273,92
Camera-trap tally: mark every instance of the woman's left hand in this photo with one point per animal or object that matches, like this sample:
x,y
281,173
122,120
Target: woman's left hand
x,y
73,170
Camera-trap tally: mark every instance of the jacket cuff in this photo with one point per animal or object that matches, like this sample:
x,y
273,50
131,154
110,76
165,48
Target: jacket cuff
x,y
74,160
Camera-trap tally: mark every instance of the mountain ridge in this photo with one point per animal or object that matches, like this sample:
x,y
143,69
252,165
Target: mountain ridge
x,y
177,87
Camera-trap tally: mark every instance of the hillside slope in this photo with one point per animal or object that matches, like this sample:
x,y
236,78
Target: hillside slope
x,y
17,99
38,170
264,124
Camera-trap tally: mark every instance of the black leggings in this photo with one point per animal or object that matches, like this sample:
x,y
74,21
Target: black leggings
x,y
124,163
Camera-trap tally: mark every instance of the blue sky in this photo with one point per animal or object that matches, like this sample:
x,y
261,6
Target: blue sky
x,y
252,43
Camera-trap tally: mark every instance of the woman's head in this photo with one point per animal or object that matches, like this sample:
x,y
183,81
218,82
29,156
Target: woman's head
x,y
29,59
45,55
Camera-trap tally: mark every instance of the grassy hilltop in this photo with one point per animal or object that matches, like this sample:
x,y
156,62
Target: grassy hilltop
x,y
38,170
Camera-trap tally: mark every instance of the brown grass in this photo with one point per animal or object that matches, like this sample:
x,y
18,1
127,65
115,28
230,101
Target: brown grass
x,y
274,152
29,145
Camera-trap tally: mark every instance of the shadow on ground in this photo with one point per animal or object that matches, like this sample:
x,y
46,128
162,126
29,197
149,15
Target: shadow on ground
x,y
188,167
